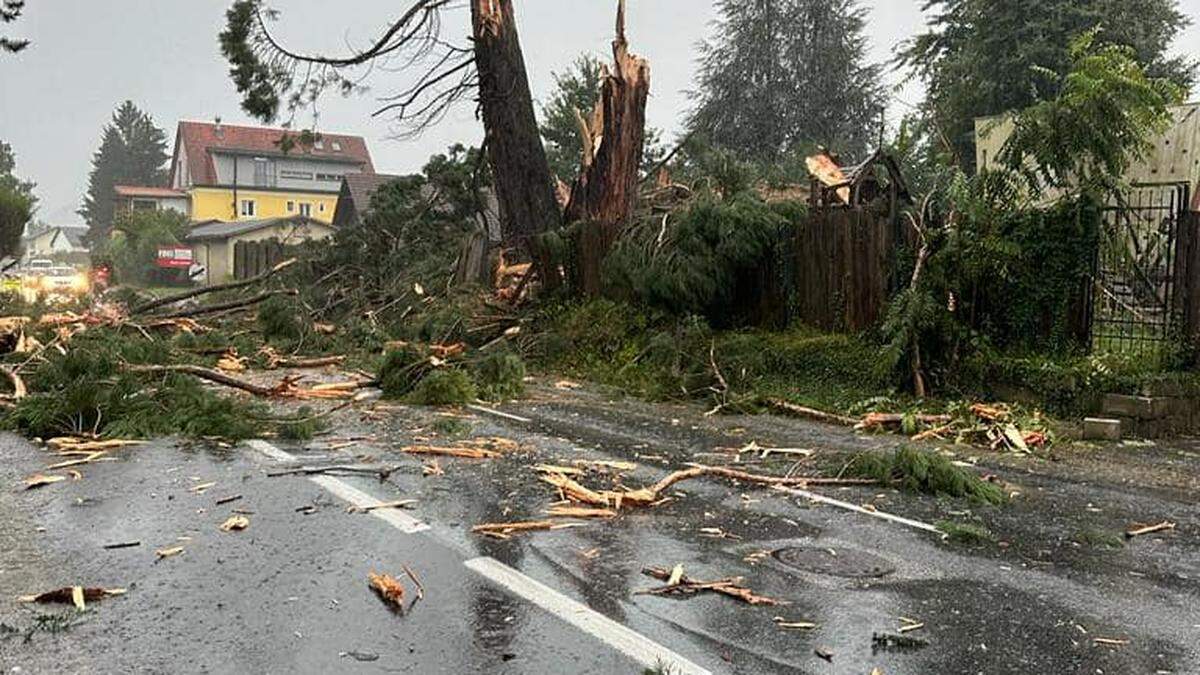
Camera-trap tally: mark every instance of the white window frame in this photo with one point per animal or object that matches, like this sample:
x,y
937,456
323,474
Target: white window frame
x,y
291,206
306,209
247,208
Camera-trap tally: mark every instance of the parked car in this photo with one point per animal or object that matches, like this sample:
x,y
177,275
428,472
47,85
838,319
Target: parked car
x,y
53,282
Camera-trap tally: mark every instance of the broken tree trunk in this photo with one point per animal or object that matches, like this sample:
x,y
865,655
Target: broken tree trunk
x,y
521,174
604,195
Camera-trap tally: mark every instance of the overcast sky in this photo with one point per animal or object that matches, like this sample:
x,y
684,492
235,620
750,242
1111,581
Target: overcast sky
x,y
87,56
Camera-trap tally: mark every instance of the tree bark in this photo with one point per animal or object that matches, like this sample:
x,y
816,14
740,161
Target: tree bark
x,y
604,195
520,170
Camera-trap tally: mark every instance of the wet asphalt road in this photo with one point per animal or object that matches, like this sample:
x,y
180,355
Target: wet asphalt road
x,y
289,594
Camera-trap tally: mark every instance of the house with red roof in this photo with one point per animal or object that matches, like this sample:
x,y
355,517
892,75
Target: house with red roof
x,y
232,172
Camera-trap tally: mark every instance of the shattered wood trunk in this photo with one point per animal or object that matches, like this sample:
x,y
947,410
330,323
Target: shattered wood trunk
x,y
520,171
606,191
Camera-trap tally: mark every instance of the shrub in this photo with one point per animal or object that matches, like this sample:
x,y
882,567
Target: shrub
x,y
444,387
500,375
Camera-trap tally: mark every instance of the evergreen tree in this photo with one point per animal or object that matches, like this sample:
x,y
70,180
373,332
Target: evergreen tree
x,y
782,76
17,203
981,57
8,178
578,89
10,11
132,152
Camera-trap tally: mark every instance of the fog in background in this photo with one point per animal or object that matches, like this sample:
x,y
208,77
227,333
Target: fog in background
x,y
88,55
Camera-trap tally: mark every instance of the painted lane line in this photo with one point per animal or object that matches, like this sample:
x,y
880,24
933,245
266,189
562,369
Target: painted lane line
x,y
822,499
398,519
634,645
339,488
271,451
498,413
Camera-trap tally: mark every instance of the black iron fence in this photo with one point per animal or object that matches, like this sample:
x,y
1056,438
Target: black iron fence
x,y
1135,306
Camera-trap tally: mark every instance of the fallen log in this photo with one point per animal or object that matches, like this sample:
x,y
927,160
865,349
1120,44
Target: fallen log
x,y
208,374
233,285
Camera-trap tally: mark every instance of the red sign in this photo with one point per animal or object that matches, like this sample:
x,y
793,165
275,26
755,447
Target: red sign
x,y
174,257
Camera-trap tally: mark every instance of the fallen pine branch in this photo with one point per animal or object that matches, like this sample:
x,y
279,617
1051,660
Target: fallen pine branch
x,y
503,530
285,389
465,453
66,444
383,472
233,285
232,304
653,494
811,413
730,587
895,420
399,504
579,512
1149,529
208,374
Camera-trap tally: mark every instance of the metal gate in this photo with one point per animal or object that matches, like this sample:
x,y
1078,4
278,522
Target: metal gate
x,y
1134,309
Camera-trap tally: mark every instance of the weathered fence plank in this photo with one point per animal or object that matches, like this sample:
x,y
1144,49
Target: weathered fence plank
x,y
843,259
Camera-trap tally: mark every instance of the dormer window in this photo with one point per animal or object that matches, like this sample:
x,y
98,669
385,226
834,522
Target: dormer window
x,y
337,147
319,144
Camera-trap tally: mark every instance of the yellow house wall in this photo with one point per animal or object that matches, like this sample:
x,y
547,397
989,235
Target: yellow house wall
x,y
217,203
217,255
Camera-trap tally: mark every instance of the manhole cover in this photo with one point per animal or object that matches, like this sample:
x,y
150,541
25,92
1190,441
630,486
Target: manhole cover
x,y
837,562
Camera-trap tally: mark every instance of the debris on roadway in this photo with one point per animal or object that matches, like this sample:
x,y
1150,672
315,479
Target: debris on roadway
x,y
730,587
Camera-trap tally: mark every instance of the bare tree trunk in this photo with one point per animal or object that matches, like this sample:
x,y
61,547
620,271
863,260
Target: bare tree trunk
x,y
605,193
519,168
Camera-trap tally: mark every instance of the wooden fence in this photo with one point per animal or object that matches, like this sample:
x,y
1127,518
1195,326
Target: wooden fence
x,y
843,268
252,258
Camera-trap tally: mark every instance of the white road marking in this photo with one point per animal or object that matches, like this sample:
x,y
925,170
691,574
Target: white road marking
x,y
634,645
822,499
398,519
271,451
497,413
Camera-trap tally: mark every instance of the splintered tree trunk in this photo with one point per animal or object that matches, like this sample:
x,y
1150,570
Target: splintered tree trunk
x,y
604,195
520,171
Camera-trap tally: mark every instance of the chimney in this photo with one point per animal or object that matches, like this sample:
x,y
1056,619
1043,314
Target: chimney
x,y
218,131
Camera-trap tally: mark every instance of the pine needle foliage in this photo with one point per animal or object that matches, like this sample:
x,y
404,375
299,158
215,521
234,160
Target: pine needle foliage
x,y
690,264
87,390
500,375
926,473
